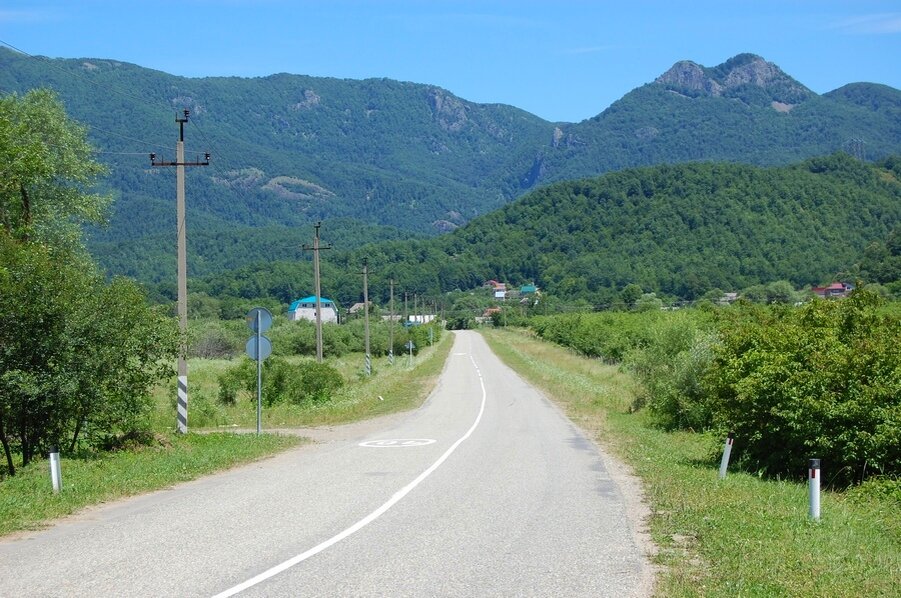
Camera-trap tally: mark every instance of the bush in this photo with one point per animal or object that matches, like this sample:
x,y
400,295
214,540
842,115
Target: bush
x,y
213,339
307,381
608,335
822,381
671,368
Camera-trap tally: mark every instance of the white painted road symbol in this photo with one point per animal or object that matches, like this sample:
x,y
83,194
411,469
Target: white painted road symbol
x,y
399,443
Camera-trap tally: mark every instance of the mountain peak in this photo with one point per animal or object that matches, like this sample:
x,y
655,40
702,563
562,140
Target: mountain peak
x,y
746,76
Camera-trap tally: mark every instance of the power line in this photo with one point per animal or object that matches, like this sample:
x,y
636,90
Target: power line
x,y
70,73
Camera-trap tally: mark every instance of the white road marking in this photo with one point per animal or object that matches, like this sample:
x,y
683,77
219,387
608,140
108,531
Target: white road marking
x,y
400,442
398,496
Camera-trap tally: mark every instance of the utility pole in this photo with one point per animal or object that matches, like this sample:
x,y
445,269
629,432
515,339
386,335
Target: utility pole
x,y
391,326
180,164
316,248
368,357
406,313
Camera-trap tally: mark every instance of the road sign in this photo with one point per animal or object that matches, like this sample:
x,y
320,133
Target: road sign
x,y
258,351
261,315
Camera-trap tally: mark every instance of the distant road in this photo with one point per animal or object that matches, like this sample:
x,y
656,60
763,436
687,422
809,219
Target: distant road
x,y
487,490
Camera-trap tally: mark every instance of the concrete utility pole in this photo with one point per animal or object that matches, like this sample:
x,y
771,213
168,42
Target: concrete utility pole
x,y
391,326
316,248
367,357
182,264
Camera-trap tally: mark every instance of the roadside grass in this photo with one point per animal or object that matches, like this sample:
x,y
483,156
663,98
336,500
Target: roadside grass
x,y
400,387
742,536
27,501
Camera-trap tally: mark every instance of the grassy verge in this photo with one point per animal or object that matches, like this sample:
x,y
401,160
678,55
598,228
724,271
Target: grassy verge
x,y
400,386
743,536
27,502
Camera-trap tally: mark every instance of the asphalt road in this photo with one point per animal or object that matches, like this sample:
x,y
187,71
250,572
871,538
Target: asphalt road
x,y
487,490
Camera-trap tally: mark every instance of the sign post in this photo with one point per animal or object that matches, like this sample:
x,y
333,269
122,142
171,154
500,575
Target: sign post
x,y
410,346
259,348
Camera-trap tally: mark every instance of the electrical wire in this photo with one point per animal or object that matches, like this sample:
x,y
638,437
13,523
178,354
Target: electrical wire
x,y
105,87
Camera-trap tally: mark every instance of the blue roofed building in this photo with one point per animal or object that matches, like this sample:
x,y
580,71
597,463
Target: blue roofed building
x,y
305,309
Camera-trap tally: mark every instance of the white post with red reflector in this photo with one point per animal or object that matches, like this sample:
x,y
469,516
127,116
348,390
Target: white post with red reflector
x,y
727,451
814,486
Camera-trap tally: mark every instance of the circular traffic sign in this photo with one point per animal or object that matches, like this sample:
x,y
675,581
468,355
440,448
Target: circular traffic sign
x,y
261,351
261,315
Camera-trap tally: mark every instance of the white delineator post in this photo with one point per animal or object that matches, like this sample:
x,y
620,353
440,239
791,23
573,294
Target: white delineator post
x,y
56,476
727,451
814,486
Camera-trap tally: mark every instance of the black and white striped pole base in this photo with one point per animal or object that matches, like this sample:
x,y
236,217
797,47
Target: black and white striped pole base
x,y
368,364
183,404
390,357
813,483
727,451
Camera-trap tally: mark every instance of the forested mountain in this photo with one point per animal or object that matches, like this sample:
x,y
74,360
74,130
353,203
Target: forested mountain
x,y
289,150
744,110
678,230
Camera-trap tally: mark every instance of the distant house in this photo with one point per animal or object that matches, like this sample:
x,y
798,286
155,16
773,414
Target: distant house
x,y
421,318
833,291
358,308
305,309
727,298
500,289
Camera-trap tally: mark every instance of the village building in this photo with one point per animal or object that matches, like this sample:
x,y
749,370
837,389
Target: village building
x,y
305,309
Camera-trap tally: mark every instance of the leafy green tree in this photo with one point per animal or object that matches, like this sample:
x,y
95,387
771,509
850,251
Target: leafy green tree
x,y
630,294
77,355
47,171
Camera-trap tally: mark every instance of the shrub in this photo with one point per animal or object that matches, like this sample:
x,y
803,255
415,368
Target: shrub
x,y
282,382
671,368
821,381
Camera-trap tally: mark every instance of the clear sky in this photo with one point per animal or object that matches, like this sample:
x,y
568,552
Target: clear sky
x,y
563,60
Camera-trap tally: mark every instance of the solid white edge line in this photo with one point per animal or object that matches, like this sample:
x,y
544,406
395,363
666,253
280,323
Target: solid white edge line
x,y
400,494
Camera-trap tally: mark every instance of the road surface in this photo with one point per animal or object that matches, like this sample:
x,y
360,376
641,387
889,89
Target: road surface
x,y
487,490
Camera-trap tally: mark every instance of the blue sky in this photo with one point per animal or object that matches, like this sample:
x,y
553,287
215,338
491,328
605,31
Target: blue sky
x,y
564,60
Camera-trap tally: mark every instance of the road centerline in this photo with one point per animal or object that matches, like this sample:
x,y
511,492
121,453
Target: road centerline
x,y
396,498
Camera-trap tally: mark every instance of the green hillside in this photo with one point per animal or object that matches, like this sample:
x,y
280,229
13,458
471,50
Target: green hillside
x,y
290,150
677,230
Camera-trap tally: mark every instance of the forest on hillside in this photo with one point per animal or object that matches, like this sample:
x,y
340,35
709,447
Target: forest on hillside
x,y
677,231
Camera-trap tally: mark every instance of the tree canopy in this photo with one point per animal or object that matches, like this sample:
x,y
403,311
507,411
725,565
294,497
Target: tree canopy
x,y
77,355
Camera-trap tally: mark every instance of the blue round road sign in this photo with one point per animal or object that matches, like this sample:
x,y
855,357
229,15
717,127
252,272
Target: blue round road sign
x,y
261,315
259,352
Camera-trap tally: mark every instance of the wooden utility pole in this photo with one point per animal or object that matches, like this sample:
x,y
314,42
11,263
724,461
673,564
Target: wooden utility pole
x,y
182,408
316,248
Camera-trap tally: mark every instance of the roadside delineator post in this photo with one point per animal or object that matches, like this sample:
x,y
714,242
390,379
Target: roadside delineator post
x,y
727,451
813,483
56,476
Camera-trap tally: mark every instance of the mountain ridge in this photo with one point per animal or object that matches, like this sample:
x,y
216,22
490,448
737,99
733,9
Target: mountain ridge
x,y
290,150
